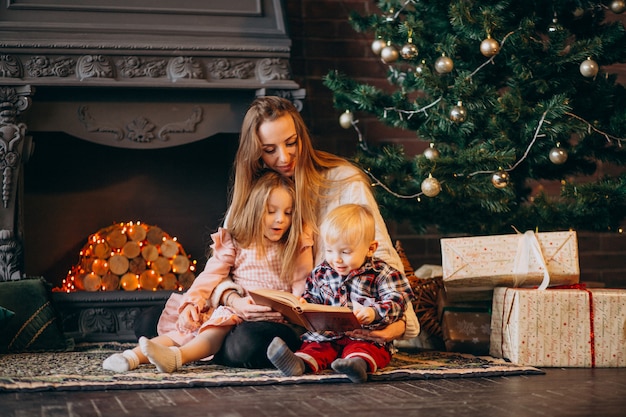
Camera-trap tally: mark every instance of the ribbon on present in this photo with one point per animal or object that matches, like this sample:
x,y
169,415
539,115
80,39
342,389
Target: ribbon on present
x,y
528,248
592,335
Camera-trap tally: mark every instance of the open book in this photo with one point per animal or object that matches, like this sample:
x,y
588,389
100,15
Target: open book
x,y
314,317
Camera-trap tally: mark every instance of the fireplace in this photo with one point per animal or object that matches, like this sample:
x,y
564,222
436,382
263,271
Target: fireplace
x,y
114,111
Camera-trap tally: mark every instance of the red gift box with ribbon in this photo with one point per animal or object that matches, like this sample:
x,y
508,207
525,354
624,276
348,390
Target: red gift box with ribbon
x,y
559,327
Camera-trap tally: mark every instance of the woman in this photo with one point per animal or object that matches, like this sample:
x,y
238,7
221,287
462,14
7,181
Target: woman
x,y
274,137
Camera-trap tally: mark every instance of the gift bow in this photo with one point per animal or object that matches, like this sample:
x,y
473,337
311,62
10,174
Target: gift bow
x,y
529,246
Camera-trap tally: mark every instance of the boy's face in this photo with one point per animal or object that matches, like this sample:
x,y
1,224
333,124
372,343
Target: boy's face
x,y
277,218
344,257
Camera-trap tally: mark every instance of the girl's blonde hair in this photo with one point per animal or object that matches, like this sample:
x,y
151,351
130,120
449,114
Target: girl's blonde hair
x,y
247,228
310,182
352,224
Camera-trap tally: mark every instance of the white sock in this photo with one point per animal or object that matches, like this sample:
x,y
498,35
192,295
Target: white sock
x,y
121,362
167,359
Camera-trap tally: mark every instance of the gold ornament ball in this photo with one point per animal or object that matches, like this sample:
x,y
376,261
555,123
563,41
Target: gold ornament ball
x,y
430,187
378,45
409,51
444,65
558,155
489,47
458,113
589,68
618,6
431,153
500,179
345,120
389,54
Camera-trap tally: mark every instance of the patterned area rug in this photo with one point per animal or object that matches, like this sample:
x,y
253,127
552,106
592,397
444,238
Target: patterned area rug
x,y
81,369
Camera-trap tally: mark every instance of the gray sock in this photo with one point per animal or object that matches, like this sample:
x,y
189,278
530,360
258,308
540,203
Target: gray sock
x,y
284,359
354,368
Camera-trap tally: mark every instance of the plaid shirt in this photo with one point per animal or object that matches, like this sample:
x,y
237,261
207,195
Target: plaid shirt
x,y
375,284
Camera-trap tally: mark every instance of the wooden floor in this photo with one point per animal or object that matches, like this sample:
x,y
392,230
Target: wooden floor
x,y
560,392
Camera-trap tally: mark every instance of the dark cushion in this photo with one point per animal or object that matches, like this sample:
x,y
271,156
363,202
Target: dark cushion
x,y
5,316
35,325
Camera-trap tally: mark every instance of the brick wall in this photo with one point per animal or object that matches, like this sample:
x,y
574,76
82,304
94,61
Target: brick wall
x,y
323,40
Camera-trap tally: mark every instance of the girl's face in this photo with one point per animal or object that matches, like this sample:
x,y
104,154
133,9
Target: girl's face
x,y
277,218
279,143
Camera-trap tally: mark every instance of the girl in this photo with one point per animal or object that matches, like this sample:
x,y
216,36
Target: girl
x,y
261,248
274,137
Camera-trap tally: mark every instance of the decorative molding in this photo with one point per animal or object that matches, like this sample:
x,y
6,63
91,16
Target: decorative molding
x,y
141,129
157,70
223,68
43,66
186,126
92,126
94,66
10,256
136,67
184,67
10,66
13,101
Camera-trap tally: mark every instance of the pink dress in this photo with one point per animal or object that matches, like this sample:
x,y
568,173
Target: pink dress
x,y
232,267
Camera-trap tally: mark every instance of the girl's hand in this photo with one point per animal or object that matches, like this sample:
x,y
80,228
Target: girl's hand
x,y
189,319
247,310
391,332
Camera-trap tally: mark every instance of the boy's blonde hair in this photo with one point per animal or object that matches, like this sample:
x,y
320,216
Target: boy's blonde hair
x,y
349,223
248,228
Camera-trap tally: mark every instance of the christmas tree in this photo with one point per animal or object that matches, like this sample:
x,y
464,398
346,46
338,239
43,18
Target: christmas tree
x,y
509,95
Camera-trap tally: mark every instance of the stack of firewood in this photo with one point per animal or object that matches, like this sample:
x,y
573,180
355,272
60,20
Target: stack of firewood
x,y
131,256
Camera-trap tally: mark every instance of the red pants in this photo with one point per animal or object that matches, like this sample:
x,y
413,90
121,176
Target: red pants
x,y
319,355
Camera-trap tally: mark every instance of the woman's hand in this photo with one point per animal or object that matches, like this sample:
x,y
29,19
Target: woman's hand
x,y
189,319
393,331
249,311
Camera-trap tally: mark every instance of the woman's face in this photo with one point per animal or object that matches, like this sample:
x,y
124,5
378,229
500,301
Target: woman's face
x,y
279,143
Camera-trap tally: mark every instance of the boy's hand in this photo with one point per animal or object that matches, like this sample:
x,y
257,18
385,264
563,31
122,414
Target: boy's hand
x,y
365,315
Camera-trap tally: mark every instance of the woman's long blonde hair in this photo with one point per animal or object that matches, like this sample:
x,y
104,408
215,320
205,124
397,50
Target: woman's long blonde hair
x,y
247,228
311,184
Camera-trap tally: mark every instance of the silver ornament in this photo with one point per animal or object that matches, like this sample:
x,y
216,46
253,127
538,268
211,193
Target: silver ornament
x,y
346,119
430,187
431,153
500,179
589,68
558,155
444,65
419,68
378,45
618,6
489,47
389,54
409,51
458,113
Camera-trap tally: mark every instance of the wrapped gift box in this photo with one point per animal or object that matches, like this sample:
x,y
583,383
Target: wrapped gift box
x,y
466,331
559,327
473,266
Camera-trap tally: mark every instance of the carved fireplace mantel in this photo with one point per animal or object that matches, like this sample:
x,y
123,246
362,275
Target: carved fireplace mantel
x,y
134,73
